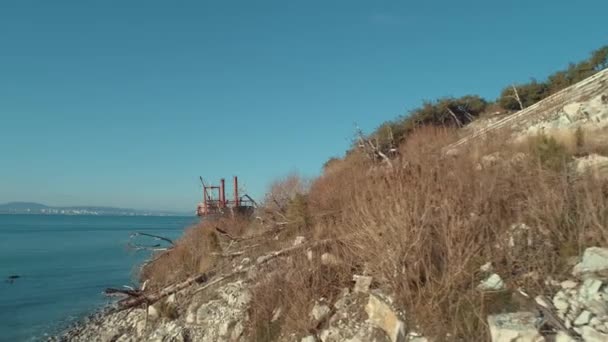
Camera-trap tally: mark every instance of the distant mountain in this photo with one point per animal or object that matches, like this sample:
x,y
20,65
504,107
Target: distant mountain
x,y
22,205
33,208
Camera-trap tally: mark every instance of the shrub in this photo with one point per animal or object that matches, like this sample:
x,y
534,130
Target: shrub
x,y
579,137
282,191
192,254
529,94
550,153
423,228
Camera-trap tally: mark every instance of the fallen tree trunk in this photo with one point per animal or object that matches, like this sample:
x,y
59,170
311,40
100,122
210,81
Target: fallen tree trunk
x,y
167,291
131,293
202,278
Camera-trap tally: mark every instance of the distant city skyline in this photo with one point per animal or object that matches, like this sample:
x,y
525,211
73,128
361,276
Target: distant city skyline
x,y
125,104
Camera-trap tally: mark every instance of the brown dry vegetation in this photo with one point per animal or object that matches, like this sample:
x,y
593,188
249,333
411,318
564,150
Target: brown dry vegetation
x,y
422,229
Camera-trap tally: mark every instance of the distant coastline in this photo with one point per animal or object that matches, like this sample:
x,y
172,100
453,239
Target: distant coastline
x,y
33,208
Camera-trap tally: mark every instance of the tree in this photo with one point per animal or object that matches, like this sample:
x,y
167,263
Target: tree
x,y
599,58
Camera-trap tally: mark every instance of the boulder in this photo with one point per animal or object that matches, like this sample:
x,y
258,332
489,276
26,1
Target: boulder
x,y
308,338
583,318
593,164
562,336
568,284
328,259
517,326
572,109
560,301
492,283
382,315
591,335
362,283
153,313
299,240
487,267
595,259
320,312
237,331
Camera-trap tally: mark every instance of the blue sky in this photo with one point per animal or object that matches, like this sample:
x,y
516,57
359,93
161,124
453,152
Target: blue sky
x,y
126,103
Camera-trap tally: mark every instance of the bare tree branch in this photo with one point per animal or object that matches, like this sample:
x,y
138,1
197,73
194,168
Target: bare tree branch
x,y
155,237
516,96
455,117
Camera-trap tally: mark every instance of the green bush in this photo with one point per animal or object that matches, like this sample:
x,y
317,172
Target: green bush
x,y
297,211
447,111
532,92
550,153
529,94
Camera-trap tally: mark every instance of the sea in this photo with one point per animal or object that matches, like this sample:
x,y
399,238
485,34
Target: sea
x,y
63,264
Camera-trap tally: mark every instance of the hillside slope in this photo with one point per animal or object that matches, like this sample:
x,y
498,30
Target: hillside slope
x,y
502,240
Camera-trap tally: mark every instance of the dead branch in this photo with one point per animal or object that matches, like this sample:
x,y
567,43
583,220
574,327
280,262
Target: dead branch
x,y
129,292
155,248
516,97
203,277
458,122
167,291
155,237
372,150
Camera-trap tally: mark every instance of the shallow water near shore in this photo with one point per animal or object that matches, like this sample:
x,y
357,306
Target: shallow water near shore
x,y
64,263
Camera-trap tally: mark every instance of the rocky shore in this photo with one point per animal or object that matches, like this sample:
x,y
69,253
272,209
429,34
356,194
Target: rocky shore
x,y
576,310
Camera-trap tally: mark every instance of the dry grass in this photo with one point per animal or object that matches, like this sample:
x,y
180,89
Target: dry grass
x,y
292,288
579,142
195,252
424,227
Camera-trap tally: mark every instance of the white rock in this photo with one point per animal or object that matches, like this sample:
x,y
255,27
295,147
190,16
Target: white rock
x,y
583,318
191,317
299,240
572,109
562,336
237,331
381,315
320,312
591,335
568,284
308,338
152,312
362,283
517,326
276,314
594,164
594,259
487,267
595,322
171,299
598,307
413,336
590,288
493,283
342,299
309,254
540,300
329,259
225,328
560,301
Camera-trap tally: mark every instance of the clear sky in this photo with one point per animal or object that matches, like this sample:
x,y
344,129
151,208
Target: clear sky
x,y
125,103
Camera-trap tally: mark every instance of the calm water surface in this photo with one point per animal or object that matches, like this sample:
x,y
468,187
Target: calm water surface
x,y
64,263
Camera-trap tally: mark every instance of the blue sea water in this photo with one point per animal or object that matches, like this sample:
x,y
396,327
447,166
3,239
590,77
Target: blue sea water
x,y
64,264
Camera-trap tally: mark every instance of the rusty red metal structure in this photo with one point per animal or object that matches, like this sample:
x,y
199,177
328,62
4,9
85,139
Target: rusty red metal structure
x,y
215,203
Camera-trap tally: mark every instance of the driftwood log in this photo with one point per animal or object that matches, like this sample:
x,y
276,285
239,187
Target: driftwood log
x,y
150,298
